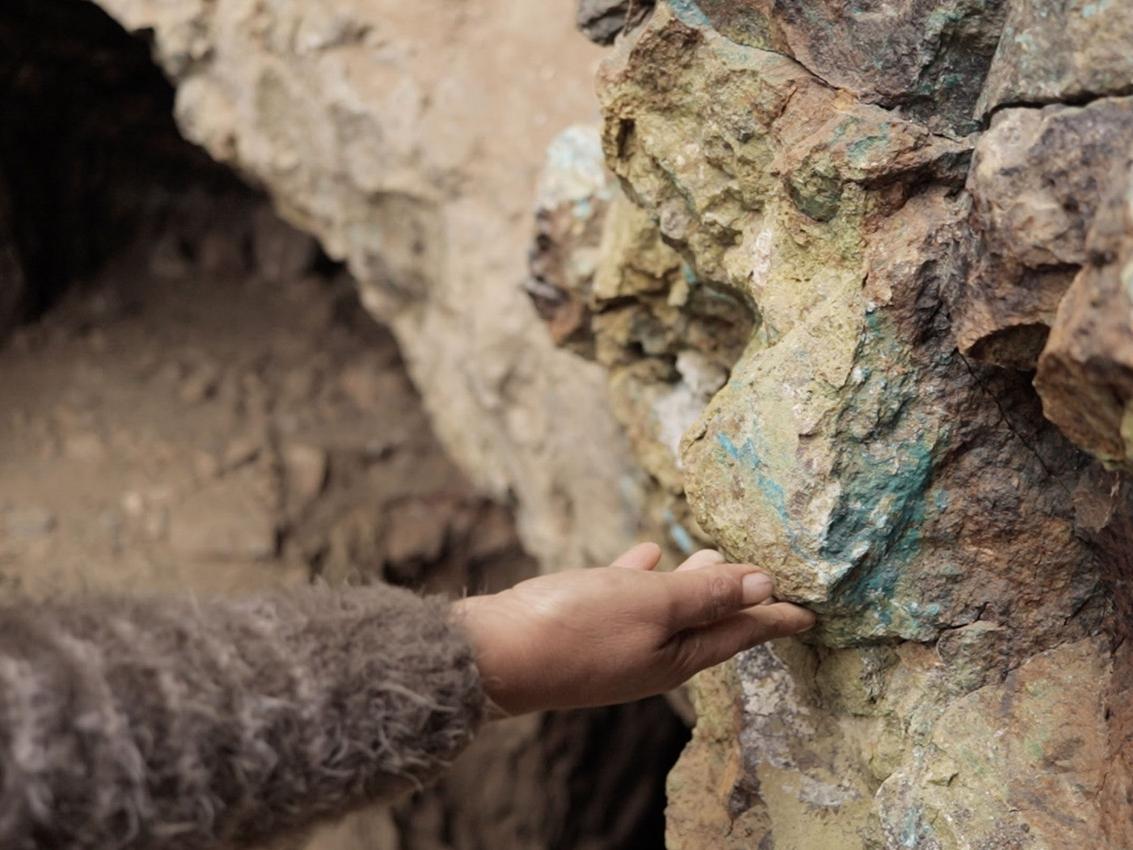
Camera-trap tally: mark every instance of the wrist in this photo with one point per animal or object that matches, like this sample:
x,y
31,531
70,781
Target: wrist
x,y
472,615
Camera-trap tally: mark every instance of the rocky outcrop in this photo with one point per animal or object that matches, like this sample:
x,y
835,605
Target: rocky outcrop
x,y
859,416
1037,181
1085,375
1052,51
419,173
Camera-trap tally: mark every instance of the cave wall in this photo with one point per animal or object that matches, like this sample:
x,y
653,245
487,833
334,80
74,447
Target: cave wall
x,y
408,137
914,215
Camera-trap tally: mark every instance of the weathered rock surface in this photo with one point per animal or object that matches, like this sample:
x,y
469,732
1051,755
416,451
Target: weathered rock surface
x,y
419,173
1086,372
830,453
1038,178
926,57
961,690
1061,51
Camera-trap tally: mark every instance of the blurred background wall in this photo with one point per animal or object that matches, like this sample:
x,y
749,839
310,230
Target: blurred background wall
x,y
198,396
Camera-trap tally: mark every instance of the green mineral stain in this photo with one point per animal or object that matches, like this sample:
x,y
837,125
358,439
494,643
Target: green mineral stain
x,y
915,831
749,456
860,150
882,505
688,12
1091,9
816,188
886,471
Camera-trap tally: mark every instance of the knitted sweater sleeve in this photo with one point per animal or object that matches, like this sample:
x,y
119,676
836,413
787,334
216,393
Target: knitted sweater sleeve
x,y
174,723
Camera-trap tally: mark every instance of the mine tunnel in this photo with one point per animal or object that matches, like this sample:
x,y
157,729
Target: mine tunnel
x,y
195,399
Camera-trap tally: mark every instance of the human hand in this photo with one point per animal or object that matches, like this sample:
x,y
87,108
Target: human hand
x,y
620,633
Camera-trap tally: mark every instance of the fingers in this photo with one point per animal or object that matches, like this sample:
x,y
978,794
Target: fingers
x,y
710,593
703,558
711,645
643,556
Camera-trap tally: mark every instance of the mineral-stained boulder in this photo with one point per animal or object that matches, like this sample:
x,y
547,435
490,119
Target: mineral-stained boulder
x,y
407,136
963,689
847,430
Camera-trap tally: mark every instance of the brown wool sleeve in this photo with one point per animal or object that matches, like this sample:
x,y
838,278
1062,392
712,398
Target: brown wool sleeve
x,y
174,723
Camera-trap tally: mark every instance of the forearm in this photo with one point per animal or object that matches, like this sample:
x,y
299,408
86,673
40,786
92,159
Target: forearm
x,y
164,722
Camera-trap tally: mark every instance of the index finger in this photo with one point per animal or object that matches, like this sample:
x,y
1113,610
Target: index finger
x,y
702,596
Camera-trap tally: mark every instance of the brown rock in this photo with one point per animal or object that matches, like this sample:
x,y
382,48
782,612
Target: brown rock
x,y
1061,50
417,532
926,58
1038,177
305,474
1085,375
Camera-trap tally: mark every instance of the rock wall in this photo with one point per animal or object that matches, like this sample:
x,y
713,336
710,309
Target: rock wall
x,y
407,136
838,246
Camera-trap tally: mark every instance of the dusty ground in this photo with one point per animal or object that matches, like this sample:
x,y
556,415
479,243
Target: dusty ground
x,y
212,411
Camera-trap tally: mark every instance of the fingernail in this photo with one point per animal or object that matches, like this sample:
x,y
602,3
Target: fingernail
x,y
757,587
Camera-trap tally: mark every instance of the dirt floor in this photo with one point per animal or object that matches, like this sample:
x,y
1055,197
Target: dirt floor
x,y
214,410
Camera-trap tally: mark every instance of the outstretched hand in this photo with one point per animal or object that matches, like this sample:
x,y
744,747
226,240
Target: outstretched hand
x,y
620,633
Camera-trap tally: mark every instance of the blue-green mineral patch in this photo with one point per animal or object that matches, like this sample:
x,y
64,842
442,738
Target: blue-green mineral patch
x,y
886,470
688,12
887,446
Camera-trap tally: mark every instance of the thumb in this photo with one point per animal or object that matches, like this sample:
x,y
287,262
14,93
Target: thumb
x,y
643,556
